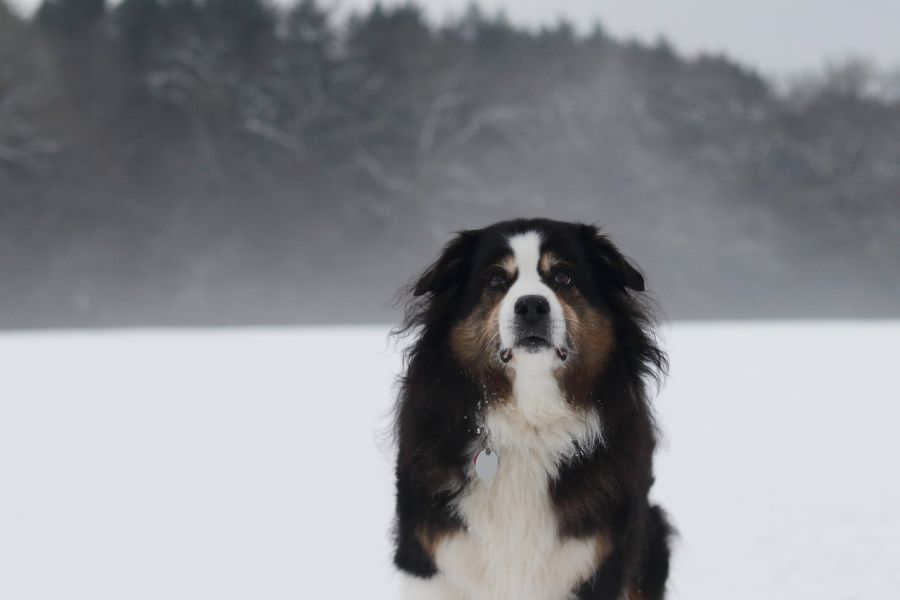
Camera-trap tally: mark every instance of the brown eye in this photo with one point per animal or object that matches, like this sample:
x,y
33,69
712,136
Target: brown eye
x,y
497,282
562,278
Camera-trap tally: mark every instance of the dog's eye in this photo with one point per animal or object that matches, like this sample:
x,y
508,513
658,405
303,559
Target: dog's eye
x,y
497,282
562,278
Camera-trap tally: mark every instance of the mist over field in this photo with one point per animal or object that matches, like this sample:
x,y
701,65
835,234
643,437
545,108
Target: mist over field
x,y
224,162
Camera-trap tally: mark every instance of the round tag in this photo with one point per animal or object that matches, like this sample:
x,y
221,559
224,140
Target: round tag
x,y
486,463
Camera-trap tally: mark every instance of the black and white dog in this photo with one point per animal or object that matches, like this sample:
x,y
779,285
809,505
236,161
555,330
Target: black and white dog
x,y
525,435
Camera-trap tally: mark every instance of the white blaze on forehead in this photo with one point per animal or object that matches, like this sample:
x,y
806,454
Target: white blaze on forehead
x,y
526,249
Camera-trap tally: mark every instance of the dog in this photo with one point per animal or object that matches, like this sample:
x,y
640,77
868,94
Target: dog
x,y
525,437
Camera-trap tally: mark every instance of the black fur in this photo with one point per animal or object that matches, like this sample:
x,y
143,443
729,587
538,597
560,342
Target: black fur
x,y
602,494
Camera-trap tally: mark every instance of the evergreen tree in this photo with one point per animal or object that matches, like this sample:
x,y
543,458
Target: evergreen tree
x,y
136,21
70,17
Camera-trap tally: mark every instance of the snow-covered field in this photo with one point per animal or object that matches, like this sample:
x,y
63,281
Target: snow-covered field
x,y
253,463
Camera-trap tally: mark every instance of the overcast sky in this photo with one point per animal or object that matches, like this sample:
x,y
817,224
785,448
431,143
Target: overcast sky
x,y
777,36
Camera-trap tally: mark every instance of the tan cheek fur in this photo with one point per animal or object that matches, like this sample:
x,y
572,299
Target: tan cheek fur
x,y
592,338
475,340
590,331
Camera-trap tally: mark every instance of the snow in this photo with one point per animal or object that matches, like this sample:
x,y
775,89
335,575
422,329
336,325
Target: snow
x,y
256,464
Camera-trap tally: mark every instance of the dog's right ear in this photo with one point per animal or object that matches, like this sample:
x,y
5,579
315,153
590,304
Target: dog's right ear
x,y
610,260
450,269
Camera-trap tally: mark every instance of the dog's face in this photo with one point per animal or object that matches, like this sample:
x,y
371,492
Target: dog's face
x,y
530,291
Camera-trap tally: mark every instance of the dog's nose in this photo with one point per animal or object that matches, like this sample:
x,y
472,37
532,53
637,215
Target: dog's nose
x,y
532,309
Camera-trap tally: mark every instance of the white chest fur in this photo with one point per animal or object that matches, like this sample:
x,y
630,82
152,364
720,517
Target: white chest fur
x,y
511,549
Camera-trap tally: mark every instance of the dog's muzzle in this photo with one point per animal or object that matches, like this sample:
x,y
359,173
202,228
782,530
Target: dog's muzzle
x,y
532,323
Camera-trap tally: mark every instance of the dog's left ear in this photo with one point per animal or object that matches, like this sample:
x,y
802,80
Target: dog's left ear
x,y
623,271
450,269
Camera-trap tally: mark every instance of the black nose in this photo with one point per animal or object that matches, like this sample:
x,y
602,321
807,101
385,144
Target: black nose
x,y
532,309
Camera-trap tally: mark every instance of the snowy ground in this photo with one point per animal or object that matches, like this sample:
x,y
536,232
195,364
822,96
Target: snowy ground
x,y
251,463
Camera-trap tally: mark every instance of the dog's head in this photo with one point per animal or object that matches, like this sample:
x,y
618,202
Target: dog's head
x,y
537,293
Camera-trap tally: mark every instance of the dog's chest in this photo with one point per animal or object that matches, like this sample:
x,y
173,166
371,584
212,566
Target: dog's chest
x,y
511,548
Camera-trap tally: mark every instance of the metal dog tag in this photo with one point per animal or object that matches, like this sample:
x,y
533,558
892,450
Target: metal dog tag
x,y
486,463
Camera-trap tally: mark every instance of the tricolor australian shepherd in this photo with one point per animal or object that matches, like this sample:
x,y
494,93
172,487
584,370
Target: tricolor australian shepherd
x,y
524,428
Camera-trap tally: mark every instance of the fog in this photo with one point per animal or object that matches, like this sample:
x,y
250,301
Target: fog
x,y
220,163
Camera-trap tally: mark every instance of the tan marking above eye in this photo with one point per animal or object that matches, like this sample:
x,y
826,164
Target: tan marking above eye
x,y
508,264
548,261
553,266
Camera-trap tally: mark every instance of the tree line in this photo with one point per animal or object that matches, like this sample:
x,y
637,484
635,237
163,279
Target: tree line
x,y
185,160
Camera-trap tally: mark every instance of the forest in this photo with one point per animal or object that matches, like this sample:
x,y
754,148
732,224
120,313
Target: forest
x,y
232,162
